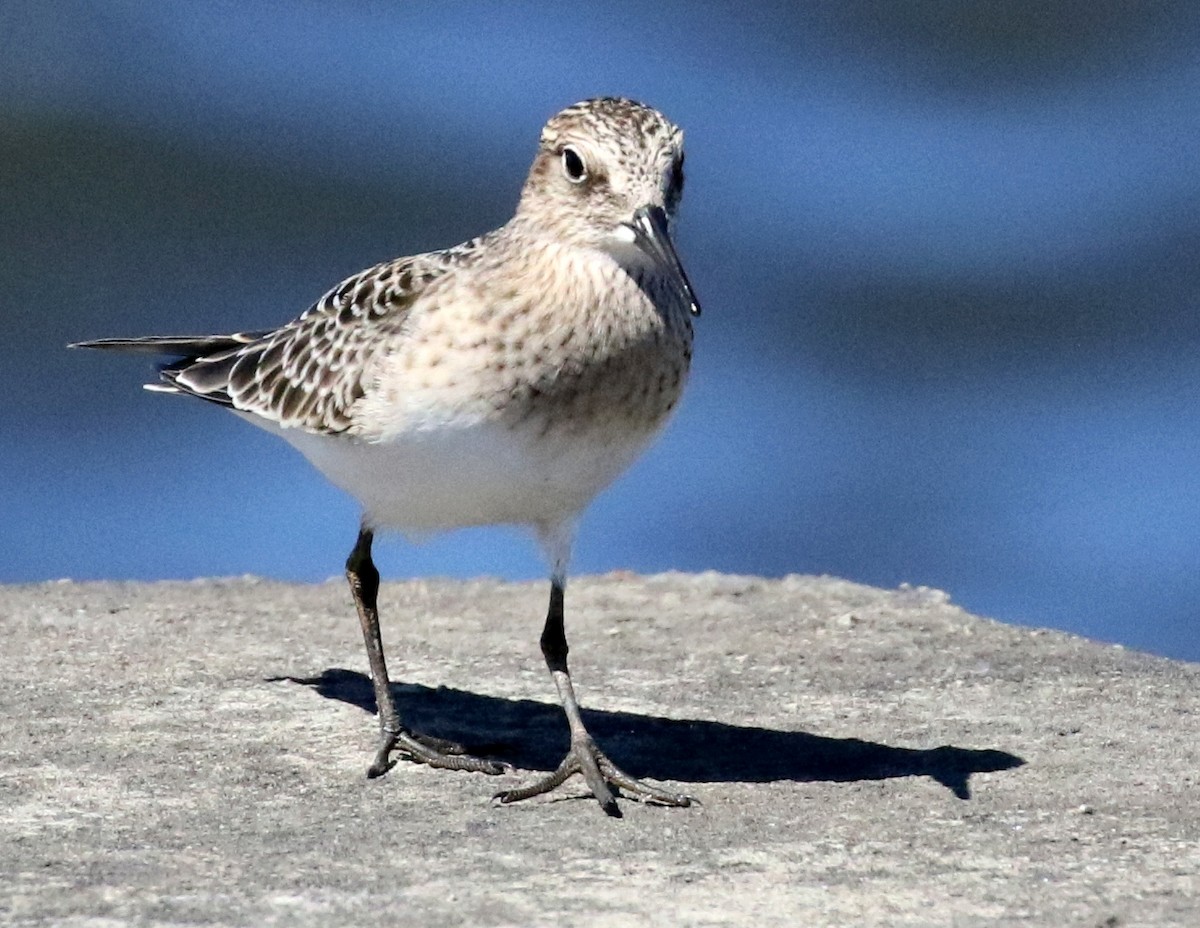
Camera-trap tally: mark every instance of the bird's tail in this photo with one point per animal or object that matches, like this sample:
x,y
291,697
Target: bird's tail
x,y
175,346
184,349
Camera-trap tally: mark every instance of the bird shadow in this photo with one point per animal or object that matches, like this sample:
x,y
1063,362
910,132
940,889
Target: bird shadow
x,y
533,736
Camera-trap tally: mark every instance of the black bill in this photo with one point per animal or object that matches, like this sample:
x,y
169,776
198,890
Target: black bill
x,y
651,236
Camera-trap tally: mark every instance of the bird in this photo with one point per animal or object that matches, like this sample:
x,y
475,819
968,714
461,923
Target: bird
x,y
504,381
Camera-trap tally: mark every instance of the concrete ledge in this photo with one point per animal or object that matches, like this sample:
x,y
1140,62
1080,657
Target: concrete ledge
x,y
194,753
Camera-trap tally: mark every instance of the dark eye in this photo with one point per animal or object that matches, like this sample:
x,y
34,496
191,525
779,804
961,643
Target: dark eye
x,y
573,165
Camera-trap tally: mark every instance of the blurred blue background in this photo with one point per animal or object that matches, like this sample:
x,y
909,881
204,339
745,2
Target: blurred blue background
x,y
947,253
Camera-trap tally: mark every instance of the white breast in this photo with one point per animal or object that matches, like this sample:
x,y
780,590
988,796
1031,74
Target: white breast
x,y
485,473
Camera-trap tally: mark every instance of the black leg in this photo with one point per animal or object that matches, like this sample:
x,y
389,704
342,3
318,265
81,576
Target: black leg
x,y
601,774
364,585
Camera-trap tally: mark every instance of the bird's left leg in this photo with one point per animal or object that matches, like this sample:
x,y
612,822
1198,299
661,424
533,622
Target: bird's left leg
x,y
584,757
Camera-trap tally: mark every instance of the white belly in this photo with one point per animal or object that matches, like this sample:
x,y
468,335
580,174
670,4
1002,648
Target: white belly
x,y
484,473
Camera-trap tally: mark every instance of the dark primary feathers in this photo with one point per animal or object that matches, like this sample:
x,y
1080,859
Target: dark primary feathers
x,y
309,372
174,345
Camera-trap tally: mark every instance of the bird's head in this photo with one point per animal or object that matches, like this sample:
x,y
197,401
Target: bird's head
x,y
609,175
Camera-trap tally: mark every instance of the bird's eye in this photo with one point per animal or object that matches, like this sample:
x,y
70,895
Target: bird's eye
x,y
573,165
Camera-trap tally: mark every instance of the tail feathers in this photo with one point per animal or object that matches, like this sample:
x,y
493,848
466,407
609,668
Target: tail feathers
x,y
201,366
206,377
178,346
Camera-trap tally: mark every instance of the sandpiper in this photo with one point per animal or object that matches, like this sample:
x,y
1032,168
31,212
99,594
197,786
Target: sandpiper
x,y
506,380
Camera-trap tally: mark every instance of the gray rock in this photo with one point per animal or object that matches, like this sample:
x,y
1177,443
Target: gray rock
x,y
194,753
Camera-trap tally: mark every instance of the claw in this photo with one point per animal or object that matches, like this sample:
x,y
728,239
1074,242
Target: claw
x,y
605,779
436,752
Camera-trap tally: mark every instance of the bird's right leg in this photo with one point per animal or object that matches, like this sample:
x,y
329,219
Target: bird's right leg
x,y
393,736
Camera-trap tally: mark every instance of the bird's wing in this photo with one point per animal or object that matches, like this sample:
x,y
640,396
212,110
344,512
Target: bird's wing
x,y
310,372
178,346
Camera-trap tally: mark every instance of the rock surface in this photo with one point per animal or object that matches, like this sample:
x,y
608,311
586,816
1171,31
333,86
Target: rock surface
x,y
194,753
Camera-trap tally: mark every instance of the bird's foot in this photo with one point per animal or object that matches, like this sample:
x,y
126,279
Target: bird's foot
x,y
605,779
426,749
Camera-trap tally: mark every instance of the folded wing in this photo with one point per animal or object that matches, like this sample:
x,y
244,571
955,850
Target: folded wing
x,y
309,373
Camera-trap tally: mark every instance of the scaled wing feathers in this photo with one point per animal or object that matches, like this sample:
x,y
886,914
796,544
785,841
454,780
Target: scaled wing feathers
x,y
310,372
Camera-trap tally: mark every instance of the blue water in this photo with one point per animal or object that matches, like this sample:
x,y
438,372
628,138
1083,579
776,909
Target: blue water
x,y
947,256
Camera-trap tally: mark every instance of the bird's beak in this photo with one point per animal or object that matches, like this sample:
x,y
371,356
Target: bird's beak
x,y
651,236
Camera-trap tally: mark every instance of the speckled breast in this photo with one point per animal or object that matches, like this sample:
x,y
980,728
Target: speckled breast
x,y
620,369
